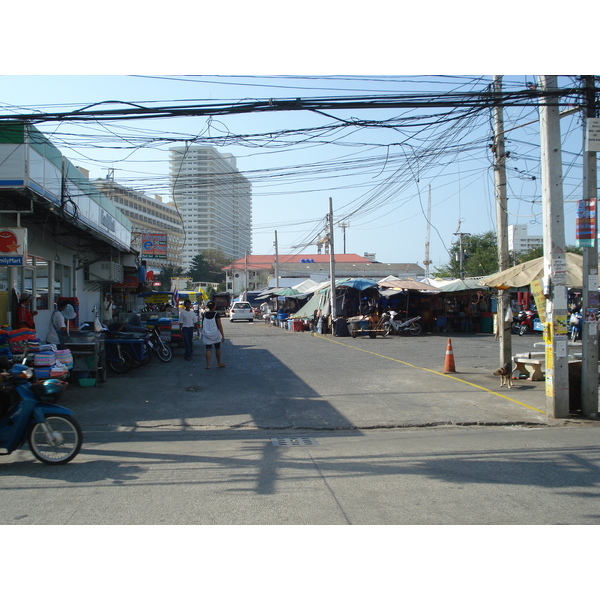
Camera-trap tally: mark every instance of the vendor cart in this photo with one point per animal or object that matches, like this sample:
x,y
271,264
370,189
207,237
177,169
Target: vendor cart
x,y
363,326
89,358
126,350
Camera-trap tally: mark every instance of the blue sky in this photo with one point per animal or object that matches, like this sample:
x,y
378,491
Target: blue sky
x,y
378,178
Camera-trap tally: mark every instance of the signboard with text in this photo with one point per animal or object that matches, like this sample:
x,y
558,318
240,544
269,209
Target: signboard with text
x,y
585,223
154,245
13,246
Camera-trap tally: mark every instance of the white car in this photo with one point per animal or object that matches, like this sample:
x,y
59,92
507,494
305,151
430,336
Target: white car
x,y
241,311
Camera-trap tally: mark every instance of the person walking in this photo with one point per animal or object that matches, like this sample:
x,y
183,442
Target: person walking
x,y
265,309
188,321
212,334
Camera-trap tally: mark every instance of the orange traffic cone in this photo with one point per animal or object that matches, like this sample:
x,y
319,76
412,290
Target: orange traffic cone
x,y
449,362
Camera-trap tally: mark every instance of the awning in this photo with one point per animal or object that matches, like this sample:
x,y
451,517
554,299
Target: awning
x,y
523,274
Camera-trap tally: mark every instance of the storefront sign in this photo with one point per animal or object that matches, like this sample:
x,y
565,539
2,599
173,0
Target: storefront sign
x,y
154,245
13,246
585,223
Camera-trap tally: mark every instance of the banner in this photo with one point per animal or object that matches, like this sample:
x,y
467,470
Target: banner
x,y
154,245
13,246
585,223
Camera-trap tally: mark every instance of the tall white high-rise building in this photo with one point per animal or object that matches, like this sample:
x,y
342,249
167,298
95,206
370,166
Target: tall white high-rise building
x,y
214,200
520,241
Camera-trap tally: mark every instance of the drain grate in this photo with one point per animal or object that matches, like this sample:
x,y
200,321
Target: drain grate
x,y
294,441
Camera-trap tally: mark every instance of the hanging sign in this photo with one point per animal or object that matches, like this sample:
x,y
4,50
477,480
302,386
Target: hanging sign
x,y
592,137
13,246
585,223
154,245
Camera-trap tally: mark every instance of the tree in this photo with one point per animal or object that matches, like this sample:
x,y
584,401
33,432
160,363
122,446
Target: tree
x,y
166,274
539,251
208,266
480,256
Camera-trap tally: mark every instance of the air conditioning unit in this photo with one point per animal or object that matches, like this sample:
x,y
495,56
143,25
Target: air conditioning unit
x,y
106,271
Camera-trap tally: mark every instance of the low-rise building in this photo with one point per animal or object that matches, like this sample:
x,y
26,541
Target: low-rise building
x,y
256,272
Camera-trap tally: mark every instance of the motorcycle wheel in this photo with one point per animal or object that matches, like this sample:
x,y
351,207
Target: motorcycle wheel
x,y
65,443
415,329
574,335
120,364
387,329
516,328
164,353
523,330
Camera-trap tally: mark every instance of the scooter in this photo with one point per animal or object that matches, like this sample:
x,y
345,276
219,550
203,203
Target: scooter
x,y
28,413
575,325
157,344
392,322
524,322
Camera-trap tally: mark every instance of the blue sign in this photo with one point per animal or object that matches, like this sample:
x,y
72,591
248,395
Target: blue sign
x,y
11,261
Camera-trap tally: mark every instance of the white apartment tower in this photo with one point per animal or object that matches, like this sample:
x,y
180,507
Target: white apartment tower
x,y
520,241
214,200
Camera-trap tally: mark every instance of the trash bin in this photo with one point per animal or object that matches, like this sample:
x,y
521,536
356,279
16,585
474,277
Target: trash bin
x,y
340,328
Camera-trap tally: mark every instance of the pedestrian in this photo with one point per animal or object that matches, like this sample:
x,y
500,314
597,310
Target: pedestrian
x,y
188,321
58,330
212,334
24,314
265,309
109,309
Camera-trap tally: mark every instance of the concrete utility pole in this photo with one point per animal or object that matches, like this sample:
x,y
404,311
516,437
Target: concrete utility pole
x,y
461,252
331,261
555,264
503,327
589,366
276,262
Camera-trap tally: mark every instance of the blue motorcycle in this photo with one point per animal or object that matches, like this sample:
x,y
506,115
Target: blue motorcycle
x,y
575,325
28,413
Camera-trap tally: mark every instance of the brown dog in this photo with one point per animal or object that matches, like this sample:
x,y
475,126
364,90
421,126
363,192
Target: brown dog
x,y
505,375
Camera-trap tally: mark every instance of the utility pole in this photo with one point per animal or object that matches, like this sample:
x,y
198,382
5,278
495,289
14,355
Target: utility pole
x,y
276,262
555,264
502,326
589,330
331,261
461,252
343,226
427,261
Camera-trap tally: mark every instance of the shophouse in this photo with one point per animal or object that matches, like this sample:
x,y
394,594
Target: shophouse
x,y
60,237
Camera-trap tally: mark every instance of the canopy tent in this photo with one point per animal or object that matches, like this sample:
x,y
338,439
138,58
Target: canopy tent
x,y
523,274
407,285
318,301
463,285
307,286
356,283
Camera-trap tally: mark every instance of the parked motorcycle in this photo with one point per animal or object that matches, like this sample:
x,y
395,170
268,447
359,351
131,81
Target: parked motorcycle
x,y
156,344
523,322
28,413
393,323
575,325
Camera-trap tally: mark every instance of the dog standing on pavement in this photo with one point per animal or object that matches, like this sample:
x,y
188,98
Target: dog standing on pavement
x,y
505,375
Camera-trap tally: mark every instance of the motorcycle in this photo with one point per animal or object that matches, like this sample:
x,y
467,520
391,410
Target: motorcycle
x,y
28,413
575,325
393,323
523,322
156,344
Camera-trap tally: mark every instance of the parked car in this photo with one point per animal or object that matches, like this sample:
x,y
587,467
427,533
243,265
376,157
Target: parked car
x,y
241,311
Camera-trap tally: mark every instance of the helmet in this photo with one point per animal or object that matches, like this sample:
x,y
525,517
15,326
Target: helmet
x,y
50,390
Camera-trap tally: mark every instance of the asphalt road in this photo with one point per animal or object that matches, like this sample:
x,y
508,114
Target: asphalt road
x,y
303,429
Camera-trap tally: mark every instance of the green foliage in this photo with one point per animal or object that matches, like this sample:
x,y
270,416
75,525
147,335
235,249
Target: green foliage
x,y
166,274
208,266
480,256
539,251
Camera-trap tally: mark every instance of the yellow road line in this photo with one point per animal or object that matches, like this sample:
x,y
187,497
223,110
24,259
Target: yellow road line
x,y
436,372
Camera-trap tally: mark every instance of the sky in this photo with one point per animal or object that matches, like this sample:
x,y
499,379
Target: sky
x,y
380,178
